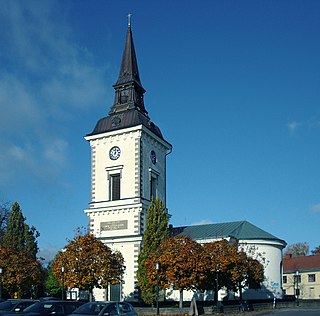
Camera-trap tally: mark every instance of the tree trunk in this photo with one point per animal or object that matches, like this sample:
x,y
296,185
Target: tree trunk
x,y
240,291
181,299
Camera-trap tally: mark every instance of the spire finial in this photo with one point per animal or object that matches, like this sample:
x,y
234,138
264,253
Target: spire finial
x,y
129,19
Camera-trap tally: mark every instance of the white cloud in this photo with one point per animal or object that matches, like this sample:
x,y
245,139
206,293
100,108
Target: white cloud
x,y
202,222
56,151
315,208
44,77
293,127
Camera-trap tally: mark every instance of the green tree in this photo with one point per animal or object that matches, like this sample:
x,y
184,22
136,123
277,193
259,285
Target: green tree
x,y
4,215
18,234
156,230
52,285
88,264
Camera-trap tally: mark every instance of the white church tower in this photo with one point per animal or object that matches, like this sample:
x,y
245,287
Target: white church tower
x,y
128,168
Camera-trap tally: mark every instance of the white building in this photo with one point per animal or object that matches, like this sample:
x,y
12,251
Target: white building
x,y
257,243
128,167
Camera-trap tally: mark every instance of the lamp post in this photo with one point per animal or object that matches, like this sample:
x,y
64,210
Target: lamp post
x,y
157,287
1,284
62,283
297,287
217,285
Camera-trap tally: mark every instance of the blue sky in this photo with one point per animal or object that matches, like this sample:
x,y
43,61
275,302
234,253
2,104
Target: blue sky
x,y
233,85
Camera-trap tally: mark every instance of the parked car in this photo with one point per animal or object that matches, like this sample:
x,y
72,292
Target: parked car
x,y
51,307
105,309
12,306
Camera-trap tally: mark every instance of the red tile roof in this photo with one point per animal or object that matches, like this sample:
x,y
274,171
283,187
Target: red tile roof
x,y
301,263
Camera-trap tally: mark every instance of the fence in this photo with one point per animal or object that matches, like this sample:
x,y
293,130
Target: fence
x,y
229,309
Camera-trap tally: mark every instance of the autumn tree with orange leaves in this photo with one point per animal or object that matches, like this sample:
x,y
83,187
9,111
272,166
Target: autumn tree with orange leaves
x,y
188,265
232,266
180,265
21,272
88,264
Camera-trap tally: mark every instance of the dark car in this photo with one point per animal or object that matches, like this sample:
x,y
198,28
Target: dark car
x,y
105,309
51,307
15,305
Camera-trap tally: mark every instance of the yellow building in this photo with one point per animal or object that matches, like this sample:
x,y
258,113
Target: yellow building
x,y
301,276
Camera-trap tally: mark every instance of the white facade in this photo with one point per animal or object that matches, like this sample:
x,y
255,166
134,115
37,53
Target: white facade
x,y
269,253
120,223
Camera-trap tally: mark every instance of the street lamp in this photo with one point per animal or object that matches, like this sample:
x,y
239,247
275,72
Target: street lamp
x,y
297,289
1,284
62,277
217,285
157,287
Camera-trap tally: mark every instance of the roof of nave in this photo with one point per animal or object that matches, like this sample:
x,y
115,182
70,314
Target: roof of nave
x,y
241,230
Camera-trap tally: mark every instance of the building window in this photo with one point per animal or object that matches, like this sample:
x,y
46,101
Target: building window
x,y
297,278
115,187
153,176
285,279
153,188
311,278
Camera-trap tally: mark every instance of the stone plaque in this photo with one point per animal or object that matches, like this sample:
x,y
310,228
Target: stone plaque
x,y
114,225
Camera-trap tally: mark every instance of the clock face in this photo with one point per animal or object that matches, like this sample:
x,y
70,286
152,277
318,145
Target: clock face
x,y
114,153
153,157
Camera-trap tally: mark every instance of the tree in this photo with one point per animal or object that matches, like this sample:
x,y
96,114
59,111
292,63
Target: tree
x,y
18,235
298,249
88,263
180,265
4,215
52,285
156,231
232,267
316,251
21,272
220,257
255,273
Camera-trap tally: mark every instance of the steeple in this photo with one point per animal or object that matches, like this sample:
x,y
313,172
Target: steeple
x,y
128,107
128,88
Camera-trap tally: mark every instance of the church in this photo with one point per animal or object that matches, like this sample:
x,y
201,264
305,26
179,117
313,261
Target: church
x,y
128,169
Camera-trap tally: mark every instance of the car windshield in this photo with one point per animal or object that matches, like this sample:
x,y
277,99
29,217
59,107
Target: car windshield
x,y
7,305
38,307
92,308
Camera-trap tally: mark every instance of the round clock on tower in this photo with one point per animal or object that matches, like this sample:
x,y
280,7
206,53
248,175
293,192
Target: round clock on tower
x,y
128,169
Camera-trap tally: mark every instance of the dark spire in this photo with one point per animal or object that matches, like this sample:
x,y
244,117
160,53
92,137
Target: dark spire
x,y
129,91
128,108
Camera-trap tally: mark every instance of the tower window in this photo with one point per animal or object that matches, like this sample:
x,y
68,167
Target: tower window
x,y
153,188
153,178
115,187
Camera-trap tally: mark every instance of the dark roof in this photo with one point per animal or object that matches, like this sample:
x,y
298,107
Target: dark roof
x,y
128,109
125,119
240,230
292,264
